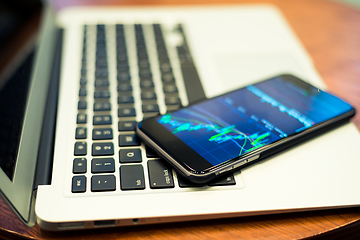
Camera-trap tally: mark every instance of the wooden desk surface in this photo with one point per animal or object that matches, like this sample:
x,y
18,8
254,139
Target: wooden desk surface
x,y
331,34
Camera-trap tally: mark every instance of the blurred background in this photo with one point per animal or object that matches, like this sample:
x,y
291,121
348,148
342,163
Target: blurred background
x,y
61,3
355,3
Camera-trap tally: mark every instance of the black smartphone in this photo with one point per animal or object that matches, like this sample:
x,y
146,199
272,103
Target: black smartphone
x,y
215,136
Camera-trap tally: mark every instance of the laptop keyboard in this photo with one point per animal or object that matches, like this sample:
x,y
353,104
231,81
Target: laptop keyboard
x,y
126,77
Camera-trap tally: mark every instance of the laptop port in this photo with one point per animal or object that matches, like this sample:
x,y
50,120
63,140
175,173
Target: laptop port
x,y
104,223
135,221
71,225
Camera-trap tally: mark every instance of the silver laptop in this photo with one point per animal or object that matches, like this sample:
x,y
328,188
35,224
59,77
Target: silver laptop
x,y
98,71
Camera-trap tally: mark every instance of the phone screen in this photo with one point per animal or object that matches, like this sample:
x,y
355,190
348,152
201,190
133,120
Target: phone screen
x,y
236,123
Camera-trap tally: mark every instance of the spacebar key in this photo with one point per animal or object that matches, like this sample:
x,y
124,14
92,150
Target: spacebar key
x,y
132,177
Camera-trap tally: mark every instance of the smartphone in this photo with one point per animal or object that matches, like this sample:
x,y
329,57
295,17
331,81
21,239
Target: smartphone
x,y
212,137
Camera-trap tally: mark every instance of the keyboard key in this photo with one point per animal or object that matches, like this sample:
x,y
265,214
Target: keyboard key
x,y
126,112
192,83
160,175
130,156
82,92
172,101
81,118
142,54
101,47
103,149
121,46
81,133
223,181
101,94
150,108
103,165
122,66
148,96
101,62
127,125
163,60
121,50
80,149
168,78
102,120
125,99
172,107
83,67
83,81
162,52
183,183
144,63
101,83
102,134
184,56
165,68
82,105
101,72
124,87
79,165
101,183
102,106
127,140
144,73
123,77
132,177
170,89
146,84
78,184
150,153
122,57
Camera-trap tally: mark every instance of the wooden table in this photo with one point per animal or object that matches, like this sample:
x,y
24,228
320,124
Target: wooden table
x,y
331,34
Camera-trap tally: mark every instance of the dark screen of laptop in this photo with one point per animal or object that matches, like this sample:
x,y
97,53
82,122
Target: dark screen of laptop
x,y
19,24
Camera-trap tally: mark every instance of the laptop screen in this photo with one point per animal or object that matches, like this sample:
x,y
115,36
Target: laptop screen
x,y
28,39
19,24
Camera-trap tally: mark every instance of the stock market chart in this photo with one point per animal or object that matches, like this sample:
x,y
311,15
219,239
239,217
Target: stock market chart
x,y
228,126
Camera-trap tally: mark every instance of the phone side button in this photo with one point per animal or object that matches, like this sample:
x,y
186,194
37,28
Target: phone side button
x,y
246,161
240,164
225,170
253,158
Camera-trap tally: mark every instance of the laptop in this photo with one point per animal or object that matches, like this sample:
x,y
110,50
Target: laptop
x,y
70,158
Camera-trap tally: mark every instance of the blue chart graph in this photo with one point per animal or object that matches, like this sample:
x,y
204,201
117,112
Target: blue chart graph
x,y
219,134
229,126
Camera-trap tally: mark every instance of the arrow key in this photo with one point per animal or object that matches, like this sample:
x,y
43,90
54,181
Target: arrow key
x,y
101,183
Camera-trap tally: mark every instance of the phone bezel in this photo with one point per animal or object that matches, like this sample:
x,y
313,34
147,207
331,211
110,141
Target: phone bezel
x,y
178,153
